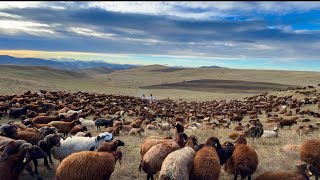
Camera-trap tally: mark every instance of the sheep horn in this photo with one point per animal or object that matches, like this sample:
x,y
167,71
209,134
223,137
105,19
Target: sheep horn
x,y
309,171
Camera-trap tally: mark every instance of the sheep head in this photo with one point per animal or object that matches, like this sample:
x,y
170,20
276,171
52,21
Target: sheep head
x,y
106,136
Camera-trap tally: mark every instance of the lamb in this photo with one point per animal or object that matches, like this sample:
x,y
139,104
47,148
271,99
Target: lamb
x,y
206,163
164,127
177,165
76,144
135,131
309,152
88,123
64,127
303,172
110,146
270,134
17,112
286,122
103,122
77,129
152,160
244,160
88,165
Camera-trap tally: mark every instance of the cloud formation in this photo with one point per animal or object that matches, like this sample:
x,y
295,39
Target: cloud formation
x,y
216,30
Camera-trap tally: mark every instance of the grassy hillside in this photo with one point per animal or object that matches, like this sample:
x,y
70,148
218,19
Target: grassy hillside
x,y
147,80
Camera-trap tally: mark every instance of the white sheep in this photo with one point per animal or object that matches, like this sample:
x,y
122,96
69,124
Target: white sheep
x,y
164,127
76,144
73,111
270,134
88,123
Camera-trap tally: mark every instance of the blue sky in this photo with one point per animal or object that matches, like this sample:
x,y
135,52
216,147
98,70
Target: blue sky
x,y
246,35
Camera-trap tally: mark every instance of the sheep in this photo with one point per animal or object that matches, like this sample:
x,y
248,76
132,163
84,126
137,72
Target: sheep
x,y
82,134
179,128
68,117
12,167
291,149
88,123
255,131
303,172
34,138
125,128
177,165
180,138
225,151
73,111
88,165
152,160
76,144
236,134
10,147
17,112
135,131
244,160
151,127
270,134
103,122
110,146
48,143
206,163
286,122
45,119
78,128
114,130
164,127
64,127
309,152
9,130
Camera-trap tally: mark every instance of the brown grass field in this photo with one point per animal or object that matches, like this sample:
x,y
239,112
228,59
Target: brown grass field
x,y
15,80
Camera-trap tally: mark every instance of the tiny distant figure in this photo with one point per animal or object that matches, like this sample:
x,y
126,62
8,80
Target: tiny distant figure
x,y
143,96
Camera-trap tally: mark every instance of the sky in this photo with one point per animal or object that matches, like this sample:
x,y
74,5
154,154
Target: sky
x,y
246,35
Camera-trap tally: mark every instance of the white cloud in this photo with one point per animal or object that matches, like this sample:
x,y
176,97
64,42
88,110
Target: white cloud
x,y
14,27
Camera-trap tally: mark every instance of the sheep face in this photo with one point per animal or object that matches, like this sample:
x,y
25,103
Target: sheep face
x,y
105,136
307,170
119,143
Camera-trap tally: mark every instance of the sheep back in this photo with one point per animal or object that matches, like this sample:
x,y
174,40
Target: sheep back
x,y
309,152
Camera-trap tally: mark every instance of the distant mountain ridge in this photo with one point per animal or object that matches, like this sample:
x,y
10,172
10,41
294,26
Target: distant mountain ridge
x,y
61,64
212,67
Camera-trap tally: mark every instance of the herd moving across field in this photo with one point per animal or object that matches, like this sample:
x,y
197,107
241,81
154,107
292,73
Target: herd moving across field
x,y
79,129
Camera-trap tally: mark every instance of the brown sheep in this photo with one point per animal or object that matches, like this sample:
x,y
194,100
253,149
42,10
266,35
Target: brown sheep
x,y
110,146
236,134
152,161
150,142
45,119
114,130
286,122
309,152
64,127
291,149
206,163
126,128
77,129
87,165
244,160
303,172
136,131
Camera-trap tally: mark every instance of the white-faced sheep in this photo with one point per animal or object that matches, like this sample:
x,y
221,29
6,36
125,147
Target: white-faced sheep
x,y
177,165
206,163
309,152
88,165
76,144
304,172
151,162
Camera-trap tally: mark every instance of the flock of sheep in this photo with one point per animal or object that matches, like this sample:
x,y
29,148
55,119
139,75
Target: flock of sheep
x,y
62,125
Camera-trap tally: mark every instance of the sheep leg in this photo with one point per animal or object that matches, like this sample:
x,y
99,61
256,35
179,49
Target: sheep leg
x,y
35,162
29,169
46,163
249,177
50,158
235,175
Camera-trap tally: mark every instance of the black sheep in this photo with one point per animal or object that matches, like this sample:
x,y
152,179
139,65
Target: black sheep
x,y
104,122
17,112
